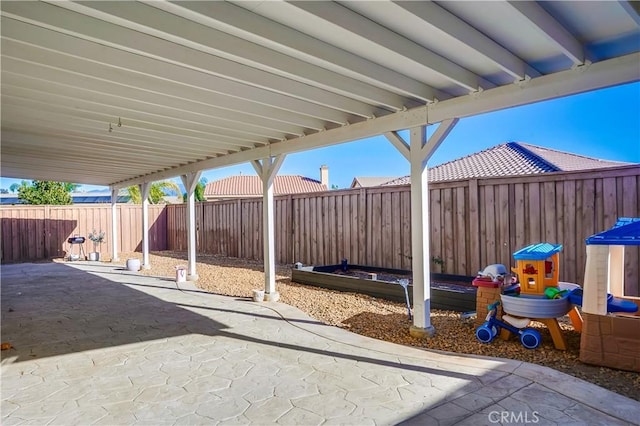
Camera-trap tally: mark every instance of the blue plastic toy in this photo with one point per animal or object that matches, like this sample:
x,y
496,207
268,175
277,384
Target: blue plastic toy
x,y
529,337
614,304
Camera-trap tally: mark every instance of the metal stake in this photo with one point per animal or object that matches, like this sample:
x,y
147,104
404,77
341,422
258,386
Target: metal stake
x,y
405,284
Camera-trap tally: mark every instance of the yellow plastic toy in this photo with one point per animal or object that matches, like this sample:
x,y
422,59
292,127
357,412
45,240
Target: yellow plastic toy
x,y
538,267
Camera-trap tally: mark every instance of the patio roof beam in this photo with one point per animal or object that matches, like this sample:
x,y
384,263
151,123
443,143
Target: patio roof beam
x,y
445,22
189,136
63,18
156,22
123,137
151,67
584,78
69,164
82,87
632,9
40,90
381,38
242,23
65,172
69,159
81,143
594,76
552,29
111,77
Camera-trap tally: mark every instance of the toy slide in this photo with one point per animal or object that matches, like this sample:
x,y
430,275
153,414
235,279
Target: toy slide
x,y
614,304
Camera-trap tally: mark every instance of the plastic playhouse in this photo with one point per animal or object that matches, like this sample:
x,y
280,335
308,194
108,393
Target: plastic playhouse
x,y
539,295
611,333
537,269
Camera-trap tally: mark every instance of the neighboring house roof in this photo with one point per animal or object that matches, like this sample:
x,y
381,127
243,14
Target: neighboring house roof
x,y
404,180
567,162
367,181
512,158
251,186
172,199
76,197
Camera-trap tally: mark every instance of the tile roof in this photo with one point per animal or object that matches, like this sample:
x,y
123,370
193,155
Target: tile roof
x,y
567,162
404,180
508,159
251,186
367,181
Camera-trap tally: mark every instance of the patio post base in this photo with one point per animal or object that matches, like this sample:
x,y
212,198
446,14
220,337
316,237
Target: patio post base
x,y
422,333
272,297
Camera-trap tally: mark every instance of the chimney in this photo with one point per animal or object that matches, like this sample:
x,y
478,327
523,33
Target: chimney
x,y
324,175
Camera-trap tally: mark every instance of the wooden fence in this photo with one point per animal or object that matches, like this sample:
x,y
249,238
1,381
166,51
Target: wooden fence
x,y
473,222
41,232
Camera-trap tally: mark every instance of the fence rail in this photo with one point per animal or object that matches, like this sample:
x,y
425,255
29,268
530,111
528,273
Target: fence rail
x,y
473,223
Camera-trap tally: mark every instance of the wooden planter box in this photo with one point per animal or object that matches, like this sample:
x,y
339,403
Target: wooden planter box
x,y
444,296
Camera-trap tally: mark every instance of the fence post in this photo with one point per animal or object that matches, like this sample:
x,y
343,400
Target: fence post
x,y
47,230
362,227
290,253
239,225
474,226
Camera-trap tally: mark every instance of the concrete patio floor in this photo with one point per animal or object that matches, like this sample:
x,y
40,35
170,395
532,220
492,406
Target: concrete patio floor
x,y
96,344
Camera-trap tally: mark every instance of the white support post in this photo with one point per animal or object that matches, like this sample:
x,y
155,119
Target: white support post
x,y
144,193
420,238
419,150
190,181
596,280
267,170
114,224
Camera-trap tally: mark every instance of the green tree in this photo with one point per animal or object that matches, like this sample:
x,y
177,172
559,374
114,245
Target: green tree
x,y
45,192
71,187
15,186
199,191
157,191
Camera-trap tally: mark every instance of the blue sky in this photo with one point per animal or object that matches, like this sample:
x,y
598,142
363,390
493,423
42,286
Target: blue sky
x,y
602,124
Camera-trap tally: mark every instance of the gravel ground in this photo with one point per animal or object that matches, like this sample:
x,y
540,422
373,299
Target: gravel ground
x,y
386,320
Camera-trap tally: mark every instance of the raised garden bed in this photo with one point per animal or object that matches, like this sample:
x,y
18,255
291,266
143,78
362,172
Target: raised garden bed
x,y
448,292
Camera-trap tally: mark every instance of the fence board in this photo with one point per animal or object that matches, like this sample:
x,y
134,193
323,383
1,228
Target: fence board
x,y
405,220
360,217
473,237
395,229
323,233
503,247
435,221
448,237
460,228
630,208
